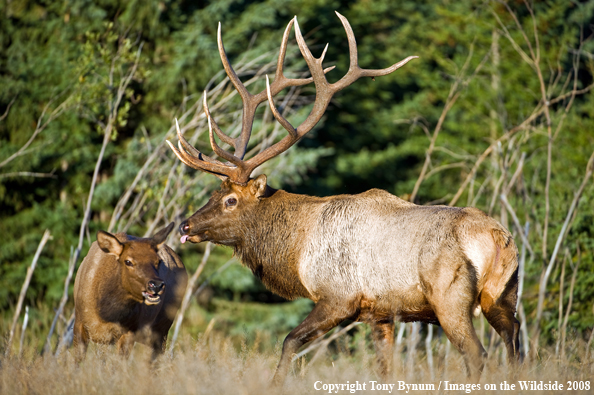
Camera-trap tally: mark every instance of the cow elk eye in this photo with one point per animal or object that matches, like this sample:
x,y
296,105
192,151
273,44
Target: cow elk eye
x,y
231,202
128,263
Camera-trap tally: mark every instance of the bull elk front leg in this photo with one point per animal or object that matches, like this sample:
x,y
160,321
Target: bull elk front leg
x,y
326,315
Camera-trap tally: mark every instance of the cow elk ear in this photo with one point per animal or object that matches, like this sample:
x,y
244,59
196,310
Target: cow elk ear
x,y
258,186
109,243
160,237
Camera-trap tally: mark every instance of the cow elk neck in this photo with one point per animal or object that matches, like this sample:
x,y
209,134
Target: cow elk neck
x,y
371,257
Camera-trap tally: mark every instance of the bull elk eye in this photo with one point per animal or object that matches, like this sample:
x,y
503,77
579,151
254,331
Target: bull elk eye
x,y
230,202
128,263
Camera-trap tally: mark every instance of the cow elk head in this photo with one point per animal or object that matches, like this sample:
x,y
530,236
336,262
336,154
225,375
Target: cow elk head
x,y
139,264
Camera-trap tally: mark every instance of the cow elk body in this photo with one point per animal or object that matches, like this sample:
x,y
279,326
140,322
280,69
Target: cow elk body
x,y
371,257
127,289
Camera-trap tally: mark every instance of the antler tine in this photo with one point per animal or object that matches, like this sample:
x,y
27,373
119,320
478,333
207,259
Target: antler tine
x,y
196,160
314,64
355,72
249,108
218,131
353,52
278,76
241,89
324,91
191,161
186,145
282,120
218,150
280,81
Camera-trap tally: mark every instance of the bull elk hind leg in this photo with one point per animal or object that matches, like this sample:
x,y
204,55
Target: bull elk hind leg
x,y
499,296
451,297
483,271
383,340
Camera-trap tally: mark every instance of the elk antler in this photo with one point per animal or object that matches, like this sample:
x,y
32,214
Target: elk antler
x,y
239,170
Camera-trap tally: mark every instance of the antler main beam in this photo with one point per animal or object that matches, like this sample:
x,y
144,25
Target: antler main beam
x,y
239,170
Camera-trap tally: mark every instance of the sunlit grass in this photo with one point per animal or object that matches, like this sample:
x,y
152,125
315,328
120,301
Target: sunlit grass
x,y
212,364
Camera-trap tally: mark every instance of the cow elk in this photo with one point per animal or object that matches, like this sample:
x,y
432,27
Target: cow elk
x,y
371,257
127,290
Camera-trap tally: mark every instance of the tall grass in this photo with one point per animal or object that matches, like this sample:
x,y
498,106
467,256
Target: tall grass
x,y
213,364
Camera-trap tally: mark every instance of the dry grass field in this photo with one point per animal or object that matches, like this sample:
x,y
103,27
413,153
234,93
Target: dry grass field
x,y
215,365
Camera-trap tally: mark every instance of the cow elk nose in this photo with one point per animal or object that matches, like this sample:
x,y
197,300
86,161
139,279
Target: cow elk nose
x,y
155,285
184,228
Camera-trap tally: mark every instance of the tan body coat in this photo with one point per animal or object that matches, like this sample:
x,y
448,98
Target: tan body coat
x,y
371,257
107,308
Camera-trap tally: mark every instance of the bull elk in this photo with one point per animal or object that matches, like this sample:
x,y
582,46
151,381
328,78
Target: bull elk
x,y
371,257
127,289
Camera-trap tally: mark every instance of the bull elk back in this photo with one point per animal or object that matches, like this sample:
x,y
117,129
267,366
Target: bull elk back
x,y
371,257
128,289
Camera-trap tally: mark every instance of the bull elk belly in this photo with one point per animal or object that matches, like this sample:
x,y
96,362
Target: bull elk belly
x,y
127,289
371,257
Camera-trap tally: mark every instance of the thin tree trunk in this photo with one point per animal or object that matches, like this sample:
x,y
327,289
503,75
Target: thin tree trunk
x,y
323,344
23,330
398,350
560,318
589,344
63,301
186,300
569,303
429,350
524,332
411,353
67,335
30,270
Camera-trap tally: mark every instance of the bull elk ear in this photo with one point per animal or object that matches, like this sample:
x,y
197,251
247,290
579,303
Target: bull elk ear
x,y
258,185
109,243
160,237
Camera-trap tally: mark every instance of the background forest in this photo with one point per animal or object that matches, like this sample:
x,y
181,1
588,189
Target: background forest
x,y
496,113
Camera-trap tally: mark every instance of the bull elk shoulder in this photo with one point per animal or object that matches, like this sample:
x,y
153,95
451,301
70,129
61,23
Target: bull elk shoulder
x,y
371,257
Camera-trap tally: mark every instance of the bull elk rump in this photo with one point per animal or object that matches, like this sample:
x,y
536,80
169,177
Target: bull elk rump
x,y
128,289
371,257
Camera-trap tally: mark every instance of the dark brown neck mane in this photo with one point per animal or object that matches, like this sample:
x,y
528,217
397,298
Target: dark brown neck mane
x,y
270,240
